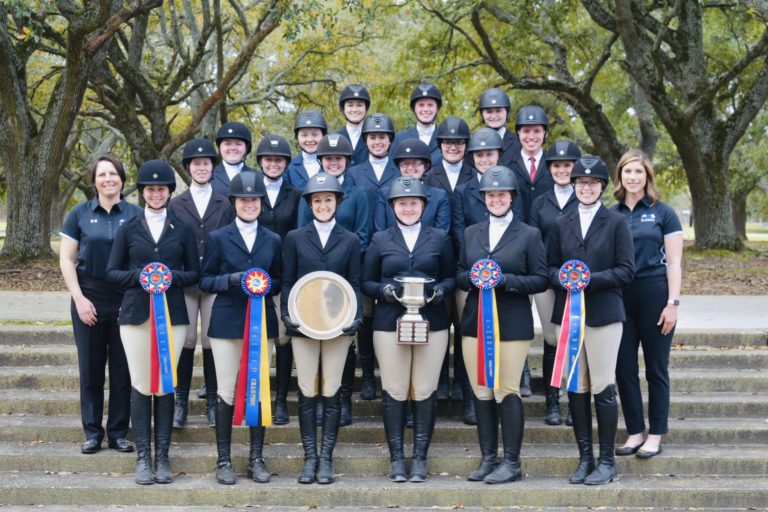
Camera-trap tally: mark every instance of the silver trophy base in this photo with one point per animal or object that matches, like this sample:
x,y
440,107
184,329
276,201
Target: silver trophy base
x,y
412,332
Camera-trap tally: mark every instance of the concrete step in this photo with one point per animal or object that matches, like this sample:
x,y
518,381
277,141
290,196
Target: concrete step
x,y
54,333
66,378
34,487
684,405
753,358
373,459
693,431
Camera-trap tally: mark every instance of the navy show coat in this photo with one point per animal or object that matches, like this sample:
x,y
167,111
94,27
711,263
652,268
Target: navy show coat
x,y
607,250
281,217
353,213
134,248
363,176
438,178
527,191
545,210
510,149
359,152
304,253
388,257
437,213
218,213
521,256
220,181
227,253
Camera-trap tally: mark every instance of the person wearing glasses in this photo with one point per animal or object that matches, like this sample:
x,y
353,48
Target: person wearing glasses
x,y
600,238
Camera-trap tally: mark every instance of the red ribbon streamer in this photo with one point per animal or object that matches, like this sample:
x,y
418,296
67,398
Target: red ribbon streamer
x,y
242,377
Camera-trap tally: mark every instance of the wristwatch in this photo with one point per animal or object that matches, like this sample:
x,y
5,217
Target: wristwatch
x,y
673,302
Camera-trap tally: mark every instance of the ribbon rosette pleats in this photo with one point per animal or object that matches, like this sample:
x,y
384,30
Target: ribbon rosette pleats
x,y
574,277
486,274
252,394
156,278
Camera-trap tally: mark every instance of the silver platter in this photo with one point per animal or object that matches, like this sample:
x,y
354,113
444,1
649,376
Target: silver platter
x,y
322,303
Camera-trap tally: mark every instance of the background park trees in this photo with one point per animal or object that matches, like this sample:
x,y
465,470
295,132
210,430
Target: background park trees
x,y
685,80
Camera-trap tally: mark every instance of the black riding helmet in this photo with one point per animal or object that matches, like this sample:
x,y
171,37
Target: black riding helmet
x,y
273,145
246,184
426,91
531,115
235,130
156,172
378,123
334,144
323,182
562,150
590,167
485,138
310,119
498,178
452,128
412,148
354,92
198,148
494,98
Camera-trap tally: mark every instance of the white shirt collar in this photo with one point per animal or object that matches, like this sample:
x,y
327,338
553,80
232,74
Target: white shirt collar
x,y
501,221
275,185
308,157
246,227
452,168
196,188
155,216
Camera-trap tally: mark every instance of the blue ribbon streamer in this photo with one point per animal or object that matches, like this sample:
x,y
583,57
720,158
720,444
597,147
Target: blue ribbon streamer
x,y
574,339
163,342
488,336
254,363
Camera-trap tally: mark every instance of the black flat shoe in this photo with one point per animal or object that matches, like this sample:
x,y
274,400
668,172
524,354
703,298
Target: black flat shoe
x,y
90,446
643,454
122,445
626,450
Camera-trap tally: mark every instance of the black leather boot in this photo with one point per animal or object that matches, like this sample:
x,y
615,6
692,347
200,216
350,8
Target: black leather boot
x,y
580,406
525,381
393,413
257,469
488,438
331,415
184,379
443,387
469,414
211,386
308,428
512,420
163,429
347,384
552,415
424,414
607,420
225,473
141,421
365,351
284,366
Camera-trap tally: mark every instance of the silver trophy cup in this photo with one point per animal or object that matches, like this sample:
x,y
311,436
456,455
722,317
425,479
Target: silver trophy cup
x,y
412,328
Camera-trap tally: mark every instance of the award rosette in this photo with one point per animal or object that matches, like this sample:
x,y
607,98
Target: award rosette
x,y
486,275
574,277
252,393
156,278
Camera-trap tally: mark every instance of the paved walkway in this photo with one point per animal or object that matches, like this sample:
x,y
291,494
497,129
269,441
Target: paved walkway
x,y
697,312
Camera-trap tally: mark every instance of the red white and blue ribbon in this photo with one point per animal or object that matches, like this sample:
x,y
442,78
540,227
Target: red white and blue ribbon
x,y
156,278
252,394
574,277
486,275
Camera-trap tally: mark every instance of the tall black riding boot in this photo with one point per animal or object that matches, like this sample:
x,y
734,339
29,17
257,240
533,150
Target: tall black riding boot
x,y
225,473
443,387
184,380
365,351
607,420
211,386
525,381
347,385
580,407
469,415
257,469
393,413
552,416
163,429
141,421
512,420
488,438
308,428
424,415
331,415
283,368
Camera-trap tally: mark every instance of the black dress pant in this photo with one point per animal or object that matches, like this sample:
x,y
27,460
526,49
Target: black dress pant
x,y
644,300
98,346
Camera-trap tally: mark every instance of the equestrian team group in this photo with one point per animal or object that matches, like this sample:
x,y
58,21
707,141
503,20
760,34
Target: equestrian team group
x,y
372,205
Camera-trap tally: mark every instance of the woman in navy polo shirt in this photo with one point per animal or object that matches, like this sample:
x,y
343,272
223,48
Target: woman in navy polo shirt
x,y
86,239
650,301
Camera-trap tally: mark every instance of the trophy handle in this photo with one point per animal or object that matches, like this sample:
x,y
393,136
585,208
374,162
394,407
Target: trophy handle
x,y
399,299
432,297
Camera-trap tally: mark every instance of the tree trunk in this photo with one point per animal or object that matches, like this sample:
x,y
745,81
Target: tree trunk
x,y
739,213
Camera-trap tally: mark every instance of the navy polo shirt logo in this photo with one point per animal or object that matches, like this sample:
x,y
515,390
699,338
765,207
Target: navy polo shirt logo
x,y
648,217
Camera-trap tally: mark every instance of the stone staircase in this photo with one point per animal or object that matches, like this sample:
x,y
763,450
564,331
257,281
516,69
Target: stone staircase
x,y
715,456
